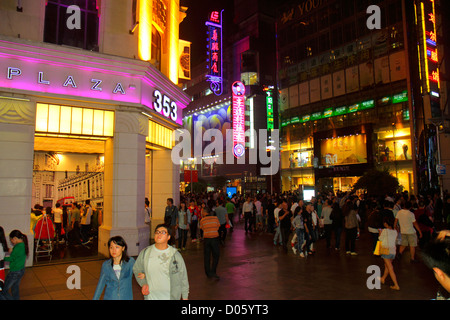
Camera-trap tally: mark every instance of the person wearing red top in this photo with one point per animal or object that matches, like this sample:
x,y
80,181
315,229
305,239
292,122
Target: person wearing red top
x,y
195,218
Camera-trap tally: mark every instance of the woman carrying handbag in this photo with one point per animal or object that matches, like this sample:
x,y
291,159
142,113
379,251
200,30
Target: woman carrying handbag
x,y
387,239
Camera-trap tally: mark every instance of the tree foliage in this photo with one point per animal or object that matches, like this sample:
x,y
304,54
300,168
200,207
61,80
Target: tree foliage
x,y
377,182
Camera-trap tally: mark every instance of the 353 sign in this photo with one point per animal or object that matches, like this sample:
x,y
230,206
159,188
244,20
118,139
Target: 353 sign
x,y
163,104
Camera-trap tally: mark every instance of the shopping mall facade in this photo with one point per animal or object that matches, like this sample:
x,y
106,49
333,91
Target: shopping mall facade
x,y
87,111
354,98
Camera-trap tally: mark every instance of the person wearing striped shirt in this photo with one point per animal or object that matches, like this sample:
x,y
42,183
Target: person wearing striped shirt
x,y
211,245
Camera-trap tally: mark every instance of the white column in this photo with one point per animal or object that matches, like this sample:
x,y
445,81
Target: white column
x,y
124,183
166,184
16,167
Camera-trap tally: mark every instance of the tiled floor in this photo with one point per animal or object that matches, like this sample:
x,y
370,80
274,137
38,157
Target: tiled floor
x,y
252,268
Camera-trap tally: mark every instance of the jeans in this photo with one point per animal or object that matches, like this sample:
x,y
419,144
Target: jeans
x,y
223,233
12,282
328,228
337,235
248,221
285,236
194,225
211,248
277,238
85,230
182,238
300,238
350,238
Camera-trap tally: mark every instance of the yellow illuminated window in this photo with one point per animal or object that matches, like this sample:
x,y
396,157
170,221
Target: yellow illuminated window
x,y
159,135
72,120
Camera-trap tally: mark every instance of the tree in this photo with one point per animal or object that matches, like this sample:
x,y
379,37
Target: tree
x,y
377,182
219,182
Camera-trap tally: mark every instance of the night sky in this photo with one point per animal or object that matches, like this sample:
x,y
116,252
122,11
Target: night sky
x,y
193,26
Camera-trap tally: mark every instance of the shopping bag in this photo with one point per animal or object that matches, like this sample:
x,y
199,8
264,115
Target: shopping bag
x,y
379,250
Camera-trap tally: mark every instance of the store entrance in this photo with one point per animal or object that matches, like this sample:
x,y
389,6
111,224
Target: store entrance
x,y
66,173
336,184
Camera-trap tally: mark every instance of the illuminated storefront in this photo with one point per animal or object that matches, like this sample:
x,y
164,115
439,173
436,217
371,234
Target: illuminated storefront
x,y
346,88
78,125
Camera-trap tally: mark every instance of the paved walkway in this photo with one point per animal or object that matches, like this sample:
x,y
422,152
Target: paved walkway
x,y
252,268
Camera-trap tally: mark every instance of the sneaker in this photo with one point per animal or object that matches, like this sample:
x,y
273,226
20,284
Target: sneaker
x,y
347,252
294,250
353,254
302,255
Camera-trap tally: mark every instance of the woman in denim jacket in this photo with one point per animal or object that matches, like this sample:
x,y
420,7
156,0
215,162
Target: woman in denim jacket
x,y
117,273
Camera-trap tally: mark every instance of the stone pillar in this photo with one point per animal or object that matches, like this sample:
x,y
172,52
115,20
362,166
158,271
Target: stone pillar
x,y
17,126
124,192
166,184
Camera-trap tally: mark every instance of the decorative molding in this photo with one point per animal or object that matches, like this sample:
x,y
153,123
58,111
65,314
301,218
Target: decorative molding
x,y
17,112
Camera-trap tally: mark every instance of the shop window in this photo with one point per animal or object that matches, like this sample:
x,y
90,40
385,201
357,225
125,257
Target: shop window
x,y
65,27
65,120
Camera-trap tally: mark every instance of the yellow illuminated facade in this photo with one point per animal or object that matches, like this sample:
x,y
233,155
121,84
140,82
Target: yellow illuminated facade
x,y
159,135
162,17
66,120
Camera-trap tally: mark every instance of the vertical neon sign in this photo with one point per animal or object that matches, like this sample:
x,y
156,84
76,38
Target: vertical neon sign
x,y
238,90
428,12
214,47
269,107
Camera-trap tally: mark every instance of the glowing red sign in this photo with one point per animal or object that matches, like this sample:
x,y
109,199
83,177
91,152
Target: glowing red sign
x,y
214,17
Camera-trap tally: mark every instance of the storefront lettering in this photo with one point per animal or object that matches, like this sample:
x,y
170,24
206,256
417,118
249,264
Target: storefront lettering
x,y
303,8
70,81
309,5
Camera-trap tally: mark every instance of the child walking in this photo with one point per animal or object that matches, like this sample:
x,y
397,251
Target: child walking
x,y
388,237
3,250
16,261
117,273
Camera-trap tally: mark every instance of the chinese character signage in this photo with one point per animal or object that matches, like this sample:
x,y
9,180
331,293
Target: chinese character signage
x,y
430,50
238,90
214,52
269,105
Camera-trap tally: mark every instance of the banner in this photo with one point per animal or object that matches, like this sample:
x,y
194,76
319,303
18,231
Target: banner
x,y
314,90
293,96
326,87
352,79
339,83
304,93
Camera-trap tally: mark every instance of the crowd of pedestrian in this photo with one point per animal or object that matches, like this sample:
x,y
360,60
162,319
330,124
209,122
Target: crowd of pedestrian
x,y
396,221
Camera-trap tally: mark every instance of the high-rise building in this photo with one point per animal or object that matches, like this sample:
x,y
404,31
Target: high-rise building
x,y
360,85
89,99
248,55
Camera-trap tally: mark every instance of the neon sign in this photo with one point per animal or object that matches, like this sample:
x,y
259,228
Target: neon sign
x,y
430,51
238,90
269,106
214,52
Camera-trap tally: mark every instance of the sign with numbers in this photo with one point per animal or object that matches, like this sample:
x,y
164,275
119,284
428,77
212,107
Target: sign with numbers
x,y
164,105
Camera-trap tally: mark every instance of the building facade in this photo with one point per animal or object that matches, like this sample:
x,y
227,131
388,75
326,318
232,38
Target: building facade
x,y
89,99
248,55
354,97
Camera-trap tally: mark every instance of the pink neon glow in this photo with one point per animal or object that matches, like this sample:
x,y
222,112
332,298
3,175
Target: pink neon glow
x,y
138,86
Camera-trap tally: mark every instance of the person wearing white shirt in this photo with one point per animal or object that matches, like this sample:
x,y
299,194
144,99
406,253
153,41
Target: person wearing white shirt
x,y
247,212
407,222
277,237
